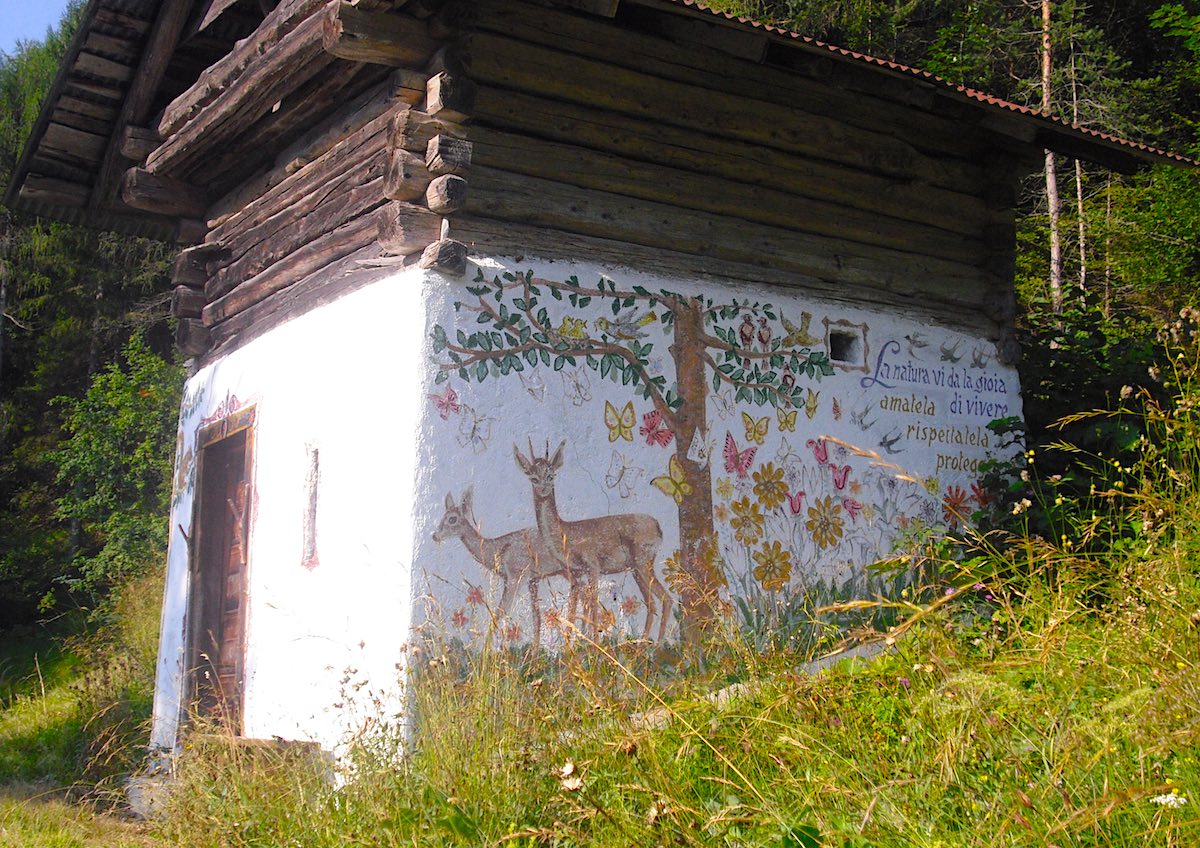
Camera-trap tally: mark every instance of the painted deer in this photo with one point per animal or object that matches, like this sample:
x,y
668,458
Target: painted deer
x,y
587,549
515,556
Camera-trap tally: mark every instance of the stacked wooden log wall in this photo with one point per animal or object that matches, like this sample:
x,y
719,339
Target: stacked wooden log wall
x,y
652,140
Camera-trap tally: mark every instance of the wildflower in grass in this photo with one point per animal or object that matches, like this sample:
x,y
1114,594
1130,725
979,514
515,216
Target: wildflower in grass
x,y
569,778
825,522
774,566
1021,505
769,486
747,521
954,504
1171,801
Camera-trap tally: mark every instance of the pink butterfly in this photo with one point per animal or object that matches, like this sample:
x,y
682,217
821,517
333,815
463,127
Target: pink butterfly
x,y
837,410
796,501
654,430
852,506
840,475
820,450
446,403
735,461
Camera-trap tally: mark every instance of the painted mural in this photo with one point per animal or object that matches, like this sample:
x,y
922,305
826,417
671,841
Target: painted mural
x,y
648,449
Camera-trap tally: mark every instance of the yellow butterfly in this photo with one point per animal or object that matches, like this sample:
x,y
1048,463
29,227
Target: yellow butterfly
x,y
756,431
673,483
810,403
787,420
620,424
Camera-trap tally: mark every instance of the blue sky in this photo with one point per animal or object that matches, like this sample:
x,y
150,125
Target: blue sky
x,y
27,19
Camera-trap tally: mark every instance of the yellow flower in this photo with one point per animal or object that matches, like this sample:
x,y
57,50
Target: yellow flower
x,y
725,488
769,486
825,522
747,521
774,565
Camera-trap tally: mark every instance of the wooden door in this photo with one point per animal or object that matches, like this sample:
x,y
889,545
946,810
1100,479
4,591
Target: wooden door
x,y
219,571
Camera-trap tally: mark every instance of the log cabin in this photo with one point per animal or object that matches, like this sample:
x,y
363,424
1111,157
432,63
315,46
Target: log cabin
x,y
518,319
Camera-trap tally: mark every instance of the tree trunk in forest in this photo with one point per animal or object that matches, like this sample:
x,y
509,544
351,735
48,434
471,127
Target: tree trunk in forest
x,y
1053,203
1083,253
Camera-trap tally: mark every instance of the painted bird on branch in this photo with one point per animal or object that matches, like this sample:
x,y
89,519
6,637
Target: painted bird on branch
x,y
626,326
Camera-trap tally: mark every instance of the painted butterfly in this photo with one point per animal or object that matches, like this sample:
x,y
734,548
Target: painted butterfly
x,y
655,431
673,483
620,424
735,461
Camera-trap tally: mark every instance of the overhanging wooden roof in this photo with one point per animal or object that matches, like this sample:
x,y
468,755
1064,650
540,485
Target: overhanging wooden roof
x,y
130,58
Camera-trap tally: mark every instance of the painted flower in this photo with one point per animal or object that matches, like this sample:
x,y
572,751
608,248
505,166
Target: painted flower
x,y
980,493
954,504
774,565
725,488
825,522
630,606
747,521
552,617
721,512
459,619
512,633
475,596
769,486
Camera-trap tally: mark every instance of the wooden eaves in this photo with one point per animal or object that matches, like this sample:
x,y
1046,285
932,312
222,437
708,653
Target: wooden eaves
x,y
133,64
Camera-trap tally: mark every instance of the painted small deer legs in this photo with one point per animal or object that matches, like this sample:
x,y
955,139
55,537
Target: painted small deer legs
x,y
515,556
587,549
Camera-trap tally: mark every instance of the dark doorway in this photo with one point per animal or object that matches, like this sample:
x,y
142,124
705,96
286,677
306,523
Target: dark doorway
x,y
217,608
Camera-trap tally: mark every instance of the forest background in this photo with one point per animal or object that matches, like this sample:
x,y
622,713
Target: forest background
x,y
89,381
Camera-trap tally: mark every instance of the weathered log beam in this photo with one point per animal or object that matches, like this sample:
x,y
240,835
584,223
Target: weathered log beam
x,y
138,142
401,87
221,75
187,302
349,153
315,254
450,97
191,267
445,255
407,178
446,194
152,67
719,195
447,155
150,192
244,98
646,43
404,228
191,337
487,235
502,62
648,140
384,39
291,229
554,205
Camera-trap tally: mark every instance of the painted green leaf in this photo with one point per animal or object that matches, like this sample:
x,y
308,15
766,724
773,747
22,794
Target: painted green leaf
x,y
545,354
584,300
531,356
442,376
556,294
481,370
